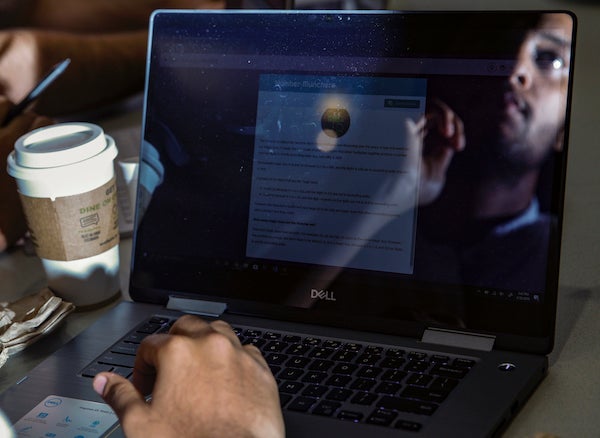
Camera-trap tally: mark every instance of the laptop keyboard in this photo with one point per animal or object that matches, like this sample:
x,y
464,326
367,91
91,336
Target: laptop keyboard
x,y
370,383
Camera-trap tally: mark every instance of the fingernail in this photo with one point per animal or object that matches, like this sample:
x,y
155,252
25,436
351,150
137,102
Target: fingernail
x,y
99,384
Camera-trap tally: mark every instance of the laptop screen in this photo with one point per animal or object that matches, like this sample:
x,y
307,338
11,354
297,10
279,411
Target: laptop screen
x,y
385,171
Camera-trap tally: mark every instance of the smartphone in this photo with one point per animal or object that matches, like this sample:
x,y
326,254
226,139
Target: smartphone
x,y
46,81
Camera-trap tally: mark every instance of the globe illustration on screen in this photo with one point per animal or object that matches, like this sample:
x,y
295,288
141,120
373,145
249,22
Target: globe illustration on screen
x,y
335,122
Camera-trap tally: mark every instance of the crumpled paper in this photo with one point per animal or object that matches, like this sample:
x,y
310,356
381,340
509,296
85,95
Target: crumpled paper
x,y
28,319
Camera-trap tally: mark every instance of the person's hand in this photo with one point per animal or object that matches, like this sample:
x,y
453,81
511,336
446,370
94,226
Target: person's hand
x,y
12,220
430,145
104,69
442,135
203,383
20,63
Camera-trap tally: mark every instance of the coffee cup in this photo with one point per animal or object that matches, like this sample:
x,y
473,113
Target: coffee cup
x,y
66,181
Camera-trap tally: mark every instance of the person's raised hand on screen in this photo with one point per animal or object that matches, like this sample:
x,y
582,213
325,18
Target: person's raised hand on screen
x,y
442,134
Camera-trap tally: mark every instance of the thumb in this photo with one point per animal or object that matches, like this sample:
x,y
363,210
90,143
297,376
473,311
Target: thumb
x,y
119,393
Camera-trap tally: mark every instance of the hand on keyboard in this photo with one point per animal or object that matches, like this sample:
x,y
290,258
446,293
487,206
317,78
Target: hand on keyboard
x,y
203,383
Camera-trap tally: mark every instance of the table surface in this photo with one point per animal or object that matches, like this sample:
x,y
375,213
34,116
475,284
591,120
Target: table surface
x,y
567,402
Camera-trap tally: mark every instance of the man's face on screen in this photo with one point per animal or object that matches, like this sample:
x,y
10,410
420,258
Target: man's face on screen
x,y
535,99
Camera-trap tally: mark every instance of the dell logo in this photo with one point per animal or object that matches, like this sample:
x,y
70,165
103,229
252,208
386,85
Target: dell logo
x,y
326,295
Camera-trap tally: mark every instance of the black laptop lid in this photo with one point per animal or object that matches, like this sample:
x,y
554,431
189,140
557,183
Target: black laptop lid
x,y
382,171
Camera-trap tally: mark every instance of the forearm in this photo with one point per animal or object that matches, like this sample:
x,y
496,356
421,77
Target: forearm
x,y
104,68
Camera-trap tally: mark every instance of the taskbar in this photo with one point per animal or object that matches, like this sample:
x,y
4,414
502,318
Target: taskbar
x,y
515,296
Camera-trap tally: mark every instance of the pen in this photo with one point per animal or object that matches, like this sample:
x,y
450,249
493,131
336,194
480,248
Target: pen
x,y
54,73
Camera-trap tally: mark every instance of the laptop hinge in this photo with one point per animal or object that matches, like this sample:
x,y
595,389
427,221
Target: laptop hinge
x,y
454,338
213,309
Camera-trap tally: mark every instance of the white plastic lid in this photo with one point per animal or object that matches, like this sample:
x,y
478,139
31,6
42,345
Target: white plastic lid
x,y
59,145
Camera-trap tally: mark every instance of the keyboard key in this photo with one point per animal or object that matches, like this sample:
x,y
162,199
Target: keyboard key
x,y
391,362
350,416
95,368
116,359
343,356
338,380
367,359
298,349
368,372
148,328
424,394
440,359
394,375
292,339
363,384
275,347
408,425
339,394
288,387
321,353
332,344
390,388
326,408
419,379
351,346
125,348
373,350
135,337
158,320
344,368
406,405
463,363
417,356
317,391
416,367
382,417
395,352
312,341
449,371
314,377
290,374
271,336
321,365
363,398
276,358
444,384
257,342
298,362
301,404
250,333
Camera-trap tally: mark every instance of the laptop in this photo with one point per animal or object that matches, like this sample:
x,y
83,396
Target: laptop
x,y
372,198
